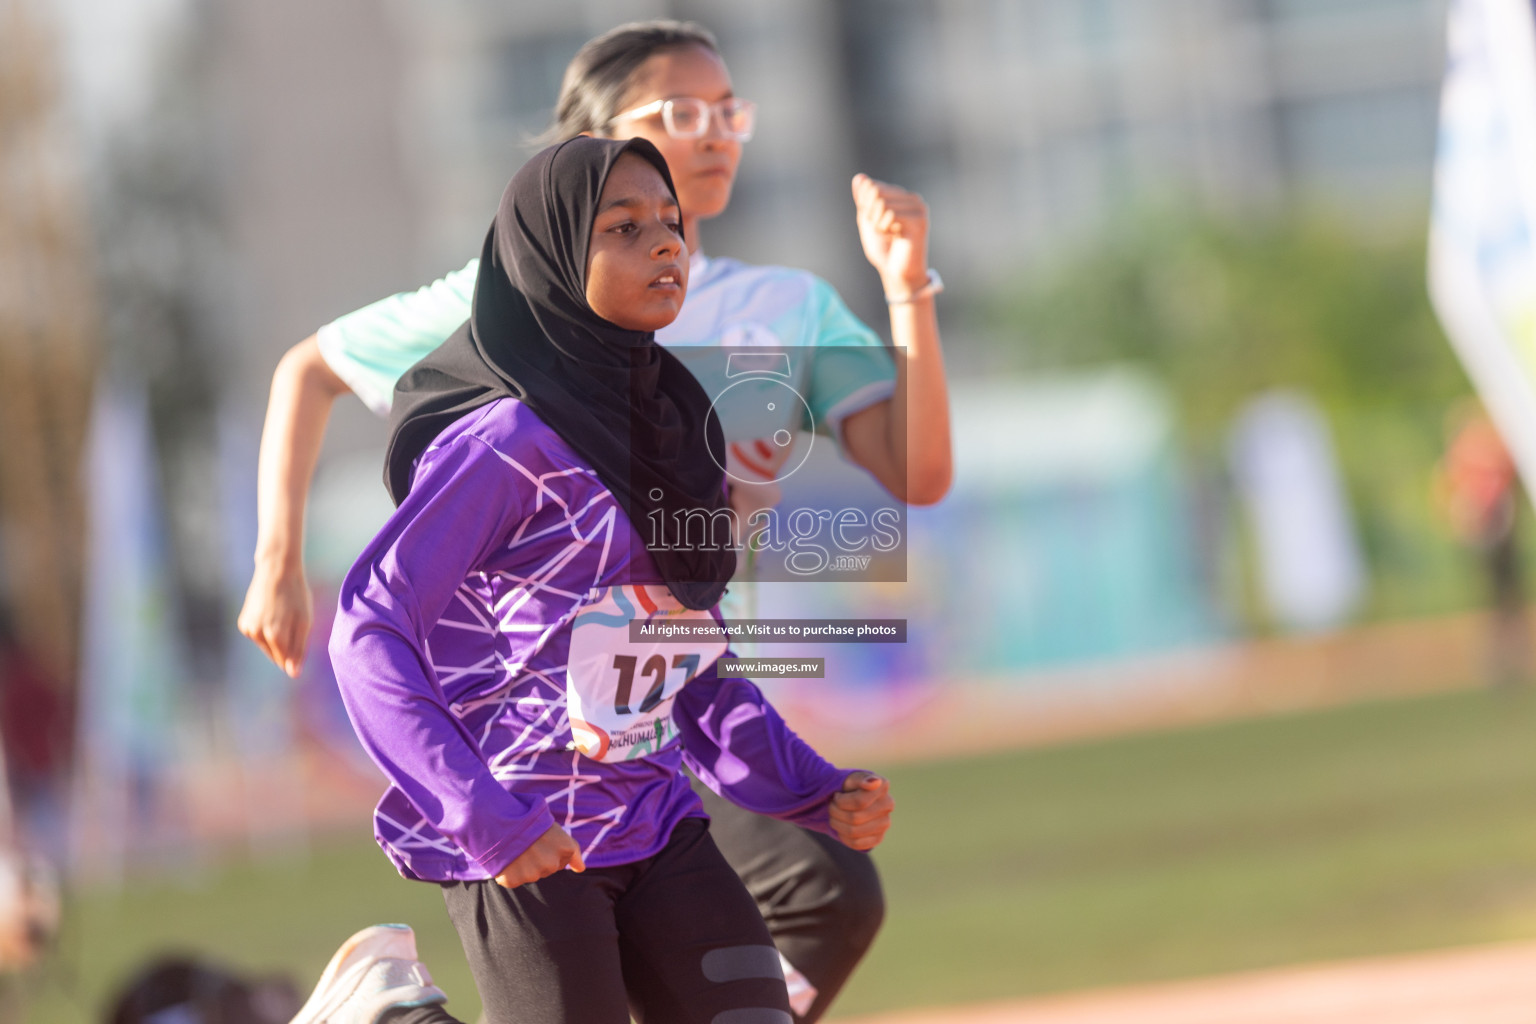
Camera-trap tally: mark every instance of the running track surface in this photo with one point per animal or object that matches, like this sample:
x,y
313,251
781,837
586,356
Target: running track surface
x,y
1480,985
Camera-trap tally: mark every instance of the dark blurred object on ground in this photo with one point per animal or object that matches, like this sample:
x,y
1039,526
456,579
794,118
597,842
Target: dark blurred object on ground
x,y
1481,492
185,990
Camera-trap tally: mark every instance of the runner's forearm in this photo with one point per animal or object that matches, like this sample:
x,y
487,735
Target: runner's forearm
x,y
918,427
303,390
739,745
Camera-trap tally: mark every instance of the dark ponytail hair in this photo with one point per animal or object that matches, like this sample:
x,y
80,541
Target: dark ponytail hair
x,y
599,75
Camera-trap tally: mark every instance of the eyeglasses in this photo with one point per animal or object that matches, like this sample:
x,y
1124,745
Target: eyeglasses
x,y
688,117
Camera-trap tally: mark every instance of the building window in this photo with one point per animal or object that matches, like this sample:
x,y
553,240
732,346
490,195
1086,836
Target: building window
x,y
524,80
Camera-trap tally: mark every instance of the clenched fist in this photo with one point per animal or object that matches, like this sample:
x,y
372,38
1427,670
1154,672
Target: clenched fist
x,y
893,228
549,853
861,813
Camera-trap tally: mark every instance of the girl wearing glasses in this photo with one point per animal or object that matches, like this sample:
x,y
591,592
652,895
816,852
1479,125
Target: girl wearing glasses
x,y
666,82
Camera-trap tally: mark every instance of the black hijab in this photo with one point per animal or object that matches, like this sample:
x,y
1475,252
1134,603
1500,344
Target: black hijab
x,y
628,407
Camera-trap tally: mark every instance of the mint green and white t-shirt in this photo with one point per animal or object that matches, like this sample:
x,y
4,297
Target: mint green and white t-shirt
x,y
839,366
729,304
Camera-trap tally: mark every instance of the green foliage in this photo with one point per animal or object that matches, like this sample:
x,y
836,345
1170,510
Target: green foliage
x,y
1224,310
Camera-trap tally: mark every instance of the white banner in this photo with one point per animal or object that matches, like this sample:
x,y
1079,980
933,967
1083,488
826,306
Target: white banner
x,y
1482,243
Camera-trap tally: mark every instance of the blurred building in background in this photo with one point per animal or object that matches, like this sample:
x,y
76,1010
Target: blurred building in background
x,y
362,144
1028,124
1033,122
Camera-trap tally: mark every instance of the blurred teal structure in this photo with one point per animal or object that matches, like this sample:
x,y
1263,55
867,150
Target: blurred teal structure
x,y
1070,533
1070,536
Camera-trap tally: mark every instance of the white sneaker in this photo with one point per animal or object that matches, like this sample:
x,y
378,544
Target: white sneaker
x,y
801,992
373,971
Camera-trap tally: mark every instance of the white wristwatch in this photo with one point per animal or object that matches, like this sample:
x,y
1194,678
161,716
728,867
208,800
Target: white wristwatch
x,y
933,287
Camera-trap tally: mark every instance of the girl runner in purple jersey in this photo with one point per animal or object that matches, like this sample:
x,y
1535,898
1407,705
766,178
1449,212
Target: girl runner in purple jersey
x,y
822,900
483,648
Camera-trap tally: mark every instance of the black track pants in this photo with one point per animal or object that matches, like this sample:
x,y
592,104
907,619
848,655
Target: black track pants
x,y
673,939
822,901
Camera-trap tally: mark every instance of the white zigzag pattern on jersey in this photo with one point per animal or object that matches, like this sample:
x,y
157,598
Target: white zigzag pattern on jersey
x,y
453,673
570,518
576,781
550,705
411,838
509,605
508,757
614,816
517,761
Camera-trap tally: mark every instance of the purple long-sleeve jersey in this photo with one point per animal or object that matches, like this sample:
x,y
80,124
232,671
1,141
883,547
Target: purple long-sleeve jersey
x,y
453,650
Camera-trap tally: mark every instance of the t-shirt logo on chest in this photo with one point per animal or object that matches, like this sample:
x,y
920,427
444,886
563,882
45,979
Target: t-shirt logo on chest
x,y
749,334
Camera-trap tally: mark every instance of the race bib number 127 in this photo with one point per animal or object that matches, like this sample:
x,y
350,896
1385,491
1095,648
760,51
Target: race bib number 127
x,y
620,692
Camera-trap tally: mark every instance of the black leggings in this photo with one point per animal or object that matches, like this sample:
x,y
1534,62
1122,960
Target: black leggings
x,y
822,901
673,939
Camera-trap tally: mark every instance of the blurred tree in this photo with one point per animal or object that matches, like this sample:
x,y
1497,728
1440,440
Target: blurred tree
x,y
1226,309
169,292
1223,310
